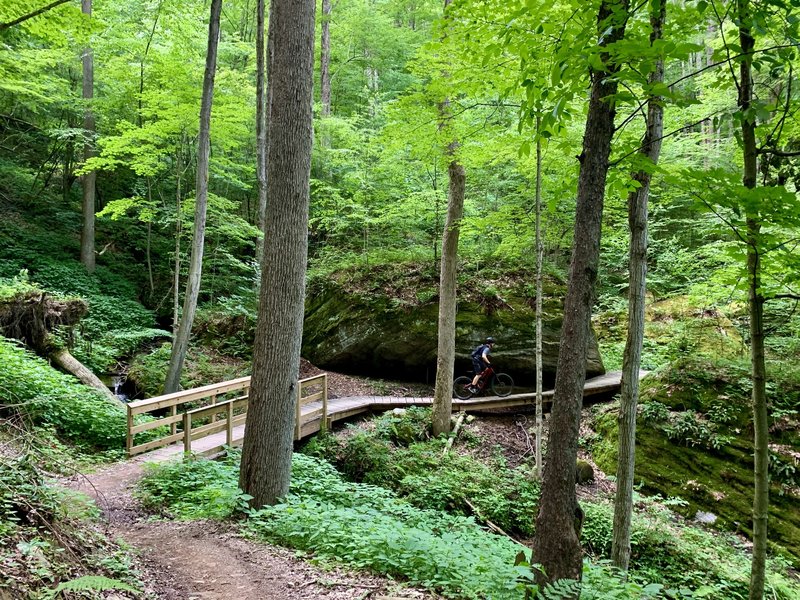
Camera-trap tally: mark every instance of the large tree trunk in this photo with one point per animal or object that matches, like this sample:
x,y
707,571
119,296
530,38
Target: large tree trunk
x,y
261,127
63,359
89,179
267,447
557,544
637,287
446,351
325,59
180,343
756,302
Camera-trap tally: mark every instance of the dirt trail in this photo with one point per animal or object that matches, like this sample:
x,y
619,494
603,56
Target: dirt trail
x,y
202,560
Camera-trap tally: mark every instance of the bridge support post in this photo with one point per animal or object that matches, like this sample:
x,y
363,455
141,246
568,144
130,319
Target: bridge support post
x,y
229,424
297,412
187,432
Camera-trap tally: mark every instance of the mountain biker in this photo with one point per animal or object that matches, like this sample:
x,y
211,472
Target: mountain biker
x,y
480,361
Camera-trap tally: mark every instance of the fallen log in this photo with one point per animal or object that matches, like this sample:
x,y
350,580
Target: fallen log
x,y
32,317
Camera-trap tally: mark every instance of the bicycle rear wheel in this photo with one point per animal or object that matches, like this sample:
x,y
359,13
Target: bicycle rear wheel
x,y
460,388
502,385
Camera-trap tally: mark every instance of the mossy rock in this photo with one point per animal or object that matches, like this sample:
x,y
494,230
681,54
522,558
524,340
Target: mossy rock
x,y
716,480
584,472
389,337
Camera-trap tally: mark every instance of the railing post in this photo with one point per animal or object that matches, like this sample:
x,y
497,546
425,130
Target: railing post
x,y
297,411
324,424
187,432
129,437
173,427
229,424
214,403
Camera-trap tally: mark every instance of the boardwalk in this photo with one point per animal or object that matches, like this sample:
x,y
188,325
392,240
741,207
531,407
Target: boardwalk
x,y
340,409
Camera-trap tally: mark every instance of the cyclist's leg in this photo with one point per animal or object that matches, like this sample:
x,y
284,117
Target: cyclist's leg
x,y
477,366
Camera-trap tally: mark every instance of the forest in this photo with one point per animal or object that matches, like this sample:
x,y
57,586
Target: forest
x,y
253,253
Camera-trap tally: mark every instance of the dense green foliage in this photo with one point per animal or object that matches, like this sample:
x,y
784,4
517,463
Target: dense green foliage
x,y
364,526
396,453
78,413
513,72
371,527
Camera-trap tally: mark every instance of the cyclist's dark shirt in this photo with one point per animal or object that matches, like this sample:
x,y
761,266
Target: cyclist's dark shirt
x,y
478,352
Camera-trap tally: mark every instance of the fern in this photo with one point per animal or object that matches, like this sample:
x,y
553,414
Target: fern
x,y
93,582
561,589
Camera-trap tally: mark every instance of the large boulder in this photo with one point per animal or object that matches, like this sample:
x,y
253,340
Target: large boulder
x,y
395,337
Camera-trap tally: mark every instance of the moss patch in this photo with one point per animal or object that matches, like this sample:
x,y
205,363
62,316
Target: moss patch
x,y
694,441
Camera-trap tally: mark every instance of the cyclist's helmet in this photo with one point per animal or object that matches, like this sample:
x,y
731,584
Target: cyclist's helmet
x,y
490,340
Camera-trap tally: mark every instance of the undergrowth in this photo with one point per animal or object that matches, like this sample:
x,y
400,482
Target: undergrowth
x,y
395,454
367,527
28,384
50,544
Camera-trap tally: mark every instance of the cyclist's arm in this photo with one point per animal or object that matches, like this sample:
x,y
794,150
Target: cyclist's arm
x,y
485,356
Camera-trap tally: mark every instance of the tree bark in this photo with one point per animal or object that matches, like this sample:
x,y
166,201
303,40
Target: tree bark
x,y
637,287
261,127
557,545
539,257
180,343
267,446
176,274
448,301
756,309
63,359
89,179
443,392
325,59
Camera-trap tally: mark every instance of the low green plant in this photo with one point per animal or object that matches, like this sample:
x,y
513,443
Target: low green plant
x,y
396,452
370,527
194,489
77,412
49,541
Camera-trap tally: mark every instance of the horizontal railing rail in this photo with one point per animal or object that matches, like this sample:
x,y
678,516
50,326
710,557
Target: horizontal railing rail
x,y
201,412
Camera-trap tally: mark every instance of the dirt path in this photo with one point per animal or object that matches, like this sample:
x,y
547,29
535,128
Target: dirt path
x,y
203,560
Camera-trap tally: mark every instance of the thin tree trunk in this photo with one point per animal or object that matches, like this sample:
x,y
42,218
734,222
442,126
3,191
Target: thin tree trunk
x,y
89,179
446,351
267,447
637,269
180,342
756,308
448,301
72,365
176,275
557,544
33,14
261,127
539,257
149,240
325,59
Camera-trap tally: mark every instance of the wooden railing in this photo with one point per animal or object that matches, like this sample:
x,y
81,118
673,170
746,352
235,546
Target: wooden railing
x,y
211,409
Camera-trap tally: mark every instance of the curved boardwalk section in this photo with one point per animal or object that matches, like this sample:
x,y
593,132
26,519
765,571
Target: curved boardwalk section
x,y
219,411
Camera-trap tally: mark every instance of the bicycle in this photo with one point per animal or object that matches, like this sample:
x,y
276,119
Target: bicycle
x,y
500,384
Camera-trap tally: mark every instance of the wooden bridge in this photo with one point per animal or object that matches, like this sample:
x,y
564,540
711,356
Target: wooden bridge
x,y
206,419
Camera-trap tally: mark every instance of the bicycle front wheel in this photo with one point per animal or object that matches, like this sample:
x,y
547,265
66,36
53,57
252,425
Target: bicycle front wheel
x,y
502,385
460,388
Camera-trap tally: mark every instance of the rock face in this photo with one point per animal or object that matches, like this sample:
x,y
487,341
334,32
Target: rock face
x,y
694,440
379,336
